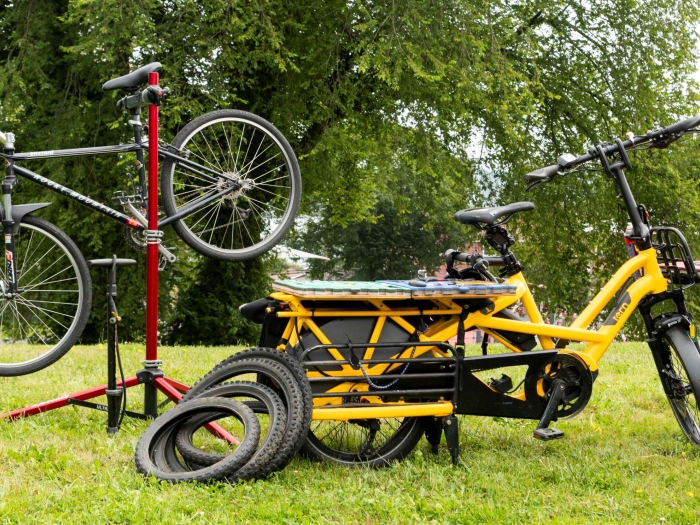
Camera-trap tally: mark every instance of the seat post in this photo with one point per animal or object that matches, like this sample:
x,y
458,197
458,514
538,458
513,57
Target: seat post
x,y
501,240
135,122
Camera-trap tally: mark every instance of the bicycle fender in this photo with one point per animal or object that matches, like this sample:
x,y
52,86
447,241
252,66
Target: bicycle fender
x,y
20,210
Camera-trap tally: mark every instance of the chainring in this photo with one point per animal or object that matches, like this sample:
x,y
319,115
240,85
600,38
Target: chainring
x,y
578,382
135,238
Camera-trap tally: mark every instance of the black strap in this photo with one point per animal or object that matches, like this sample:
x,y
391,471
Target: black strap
x,y
485,344
460,328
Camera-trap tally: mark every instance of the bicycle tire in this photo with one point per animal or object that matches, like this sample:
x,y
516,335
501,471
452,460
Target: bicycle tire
x,y
171,420
286,360
245,222
297,423
37,332
267,448
164,454
679,369
342,442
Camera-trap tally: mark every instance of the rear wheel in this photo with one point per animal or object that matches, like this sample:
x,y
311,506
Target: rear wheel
x,y
40,323
363,442
249,164
679,369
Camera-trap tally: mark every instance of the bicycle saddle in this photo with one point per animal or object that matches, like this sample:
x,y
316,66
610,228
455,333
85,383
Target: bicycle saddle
x,y
133,80
491,215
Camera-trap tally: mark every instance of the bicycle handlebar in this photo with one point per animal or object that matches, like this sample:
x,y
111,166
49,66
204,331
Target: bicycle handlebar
x,y
568,161
683,125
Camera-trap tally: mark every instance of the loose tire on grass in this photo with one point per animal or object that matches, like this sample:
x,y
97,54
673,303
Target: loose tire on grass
x,y
283,358
269,446
146,449
290,390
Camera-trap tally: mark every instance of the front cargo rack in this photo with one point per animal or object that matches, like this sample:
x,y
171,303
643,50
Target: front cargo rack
x,y
674,256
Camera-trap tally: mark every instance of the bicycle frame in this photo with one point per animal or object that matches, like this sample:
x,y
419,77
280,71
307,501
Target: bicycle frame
x,y
473,395
137,222
200,170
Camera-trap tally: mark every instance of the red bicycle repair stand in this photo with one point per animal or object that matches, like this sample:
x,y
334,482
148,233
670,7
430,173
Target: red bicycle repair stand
x,y
151,376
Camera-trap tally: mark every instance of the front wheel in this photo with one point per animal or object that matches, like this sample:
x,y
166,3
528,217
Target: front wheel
x,y
679,368
41,322
241,174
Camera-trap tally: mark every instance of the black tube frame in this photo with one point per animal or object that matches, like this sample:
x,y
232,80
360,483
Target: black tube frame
x,y
200,170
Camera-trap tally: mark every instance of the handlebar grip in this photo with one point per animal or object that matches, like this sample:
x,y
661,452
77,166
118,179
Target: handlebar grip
x,y
462,256
683,125
542,173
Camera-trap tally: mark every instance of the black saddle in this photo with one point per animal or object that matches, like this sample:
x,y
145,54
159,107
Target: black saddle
x,y
489,216
133,80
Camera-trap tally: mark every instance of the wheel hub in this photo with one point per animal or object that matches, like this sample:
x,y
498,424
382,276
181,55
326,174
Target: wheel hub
x,y
228,180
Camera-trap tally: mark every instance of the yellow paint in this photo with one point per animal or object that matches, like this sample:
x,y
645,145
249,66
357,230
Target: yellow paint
x,y
440,409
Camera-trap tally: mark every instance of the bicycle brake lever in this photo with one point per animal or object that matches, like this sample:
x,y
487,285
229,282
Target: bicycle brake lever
x,y
538,183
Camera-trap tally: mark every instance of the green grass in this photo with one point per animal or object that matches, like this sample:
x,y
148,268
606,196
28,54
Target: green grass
x,y
623,460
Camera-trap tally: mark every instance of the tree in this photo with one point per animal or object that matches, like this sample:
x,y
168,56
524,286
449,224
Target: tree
x,y
396,110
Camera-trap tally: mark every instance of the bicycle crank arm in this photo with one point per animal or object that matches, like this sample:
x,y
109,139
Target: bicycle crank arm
x,y
167,254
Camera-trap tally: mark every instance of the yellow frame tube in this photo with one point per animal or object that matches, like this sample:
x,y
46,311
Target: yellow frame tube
x,y
439,409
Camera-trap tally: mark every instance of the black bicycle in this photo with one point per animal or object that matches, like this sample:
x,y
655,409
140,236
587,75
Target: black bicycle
x,y
230,188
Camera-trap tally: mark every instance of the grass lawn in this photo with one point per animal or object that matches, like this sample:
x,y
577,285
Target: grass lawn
x,y
623,460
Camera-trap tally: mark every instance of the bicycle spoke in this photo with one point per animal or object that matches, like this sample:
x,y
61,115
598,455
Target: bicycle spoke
x,y
33,284
241,218
223,156
47,311
218,210
42,321
41,259
212,152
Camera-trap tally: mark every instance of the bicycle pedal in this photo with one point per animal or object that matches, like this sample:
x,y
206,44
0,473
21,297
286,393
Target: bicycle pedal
x,y
547,434
162,263
122,199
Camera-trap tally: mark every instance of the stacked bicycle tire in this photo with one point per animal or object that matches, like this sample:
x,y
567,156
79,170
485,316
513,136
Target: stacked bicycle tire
x,y
282,391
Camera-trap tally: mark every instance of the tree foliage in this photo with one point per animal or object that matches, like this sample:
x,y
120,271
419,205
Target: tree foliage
x,y
401,113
